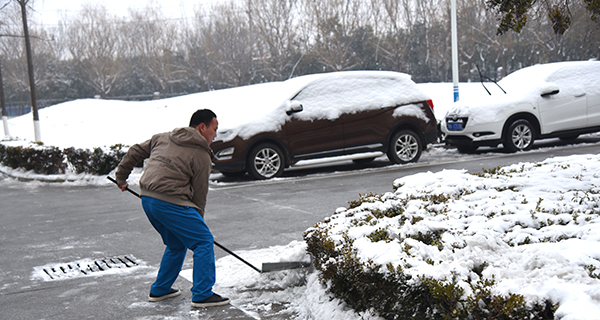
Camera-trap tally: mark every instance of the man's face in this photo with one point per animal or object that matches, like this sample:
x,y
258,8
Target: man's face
x,y
209,132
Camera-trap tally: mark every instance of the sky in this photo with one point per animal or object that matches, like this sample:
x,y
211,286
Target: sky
x,y
49,12
484,217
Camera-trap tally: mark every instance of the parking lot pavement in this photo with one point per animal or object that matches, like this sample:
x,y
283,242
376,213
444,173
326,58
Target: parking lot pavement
x,y
52,226
111,296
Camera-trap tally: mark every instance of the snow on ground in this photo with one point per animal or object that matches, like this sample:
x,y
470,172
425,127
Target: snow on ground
x,y
553,270
535,226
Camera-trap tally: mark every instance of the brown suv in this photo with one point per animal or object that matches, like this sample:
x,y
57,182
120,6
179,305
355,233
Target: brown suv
x,y
360,113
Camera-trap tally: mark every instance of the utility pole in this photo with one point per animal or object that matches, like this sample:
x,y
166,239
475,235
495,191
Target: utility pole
x,y
34,107
3,105
454,50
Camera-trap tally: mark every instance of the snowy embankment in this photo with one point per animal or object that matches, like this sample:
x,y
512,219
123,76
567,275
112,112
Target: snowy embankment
x,y
532,228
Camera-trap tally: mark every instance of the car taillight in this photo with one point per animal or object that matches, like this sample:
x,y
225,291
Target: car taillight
x,y
430,103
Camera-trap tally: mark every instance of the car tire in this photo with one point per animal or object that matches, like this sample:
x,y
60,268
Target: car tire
x,y
265,161
405,146
519,136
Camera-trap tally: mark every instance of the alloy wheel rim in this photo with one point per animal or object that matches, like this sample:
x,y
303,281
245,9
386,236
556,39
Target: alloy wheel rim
x,y
406,147
521,136
267,162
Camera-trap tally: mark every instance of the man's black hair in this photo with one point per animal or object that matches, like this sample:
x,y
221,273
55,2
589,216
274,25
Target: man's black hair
x,y
202,116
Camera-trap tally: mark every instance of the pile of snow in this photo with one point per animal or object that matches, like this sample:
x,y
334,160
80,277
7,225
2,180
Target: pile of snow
x,y
296,293
534,226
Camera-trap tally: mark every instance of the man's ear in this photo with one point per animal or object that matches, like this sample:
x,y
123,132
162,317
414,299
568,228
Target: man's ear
x,y
200,127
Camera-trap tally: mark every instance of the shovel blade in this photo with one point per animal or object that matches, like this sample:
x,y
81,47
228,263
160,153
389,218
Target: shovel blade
x,y
277,266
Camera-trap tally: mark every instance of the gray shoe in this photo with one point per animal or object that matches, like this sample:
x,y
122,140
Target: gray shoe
x,y
171,294
214,300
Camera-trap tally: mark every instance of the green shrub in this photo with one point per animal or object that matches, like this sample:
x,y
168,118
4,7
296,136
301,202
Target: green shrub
x,y
483,305
103,163
51,160
41,160
78,158
394,294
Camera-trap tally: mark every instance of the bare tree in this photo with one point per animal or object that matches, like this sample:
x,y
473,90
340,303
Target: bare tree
x,y
192,47
335,23
227,47
273,23
95,45
152,38
12,49
392,48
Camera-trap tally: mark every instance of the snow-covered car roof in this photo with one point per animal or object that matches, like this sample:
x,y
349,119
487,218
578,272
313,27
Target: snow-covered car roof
x,y
261,108
526,85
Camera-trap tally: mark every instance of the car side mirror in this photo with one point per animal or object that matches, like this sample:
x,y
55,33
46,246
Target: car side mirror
x,y
294,107
550,92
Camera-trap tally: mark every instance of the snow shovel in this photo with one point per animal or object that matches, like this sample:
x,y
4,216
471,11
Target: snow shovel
x,y
266,266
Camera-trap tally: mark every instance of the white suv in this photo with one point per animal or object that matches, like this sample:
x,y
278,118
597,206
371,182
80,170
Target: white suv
x,y
559,99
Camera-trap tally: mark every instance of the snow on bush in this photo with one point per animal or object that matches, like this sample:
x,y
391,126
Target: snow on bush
x,y
522,238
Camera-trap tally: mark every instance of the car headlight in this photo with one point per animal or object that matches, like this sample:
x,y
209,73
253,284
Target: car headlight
x,y
225,154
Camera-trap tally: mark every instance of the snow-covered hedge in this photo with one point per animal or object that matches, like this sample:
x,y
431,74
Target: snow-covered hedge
x,y
516,242
40,160
51,160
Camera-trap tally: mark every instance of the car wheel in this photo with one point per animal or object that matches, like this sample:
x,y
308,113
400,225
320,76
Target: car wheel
x,y
519,136
405,147
265,161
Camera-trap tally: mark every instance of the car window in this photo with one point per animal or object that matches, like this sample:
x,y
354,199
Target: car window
x,y
329,98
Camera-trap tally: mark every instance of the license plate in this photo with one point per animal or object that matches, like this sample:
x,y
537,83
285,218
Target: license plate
x,y
455,126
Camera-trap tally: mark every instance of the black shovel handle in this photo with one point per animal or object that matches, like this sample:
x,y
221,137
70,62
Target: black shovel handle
x,y
238,257
131,191
216,243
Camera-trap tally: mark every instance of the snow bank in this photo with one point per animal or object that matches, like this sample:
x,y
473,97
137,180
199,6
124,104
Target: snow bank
x,y
532,227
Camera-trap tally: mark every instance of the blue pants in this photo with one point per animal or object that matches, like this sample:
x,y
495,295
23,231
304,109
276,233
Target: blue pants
x,y
182,228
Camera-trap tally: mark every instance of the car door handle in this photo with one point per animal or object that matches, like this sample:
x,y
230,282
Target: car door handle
x,y
580,95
